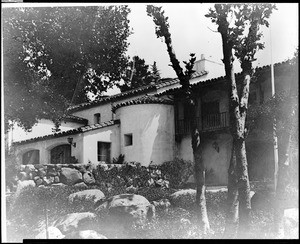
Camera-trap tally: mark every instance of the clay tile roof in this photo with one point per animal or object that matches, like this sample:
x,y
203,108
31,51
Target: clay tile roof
x,y
69,132
113,98
73,118
220,79
147,99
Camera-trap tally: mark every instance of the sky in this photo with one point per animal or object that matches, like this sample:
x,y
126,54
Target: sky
x,y
192,32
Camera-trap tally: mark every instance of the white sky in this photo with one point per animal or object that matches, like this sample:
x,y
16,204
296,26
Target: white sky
x,y
192,32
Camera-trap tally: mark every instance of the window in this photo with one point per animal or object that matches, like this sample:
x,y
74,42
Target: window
x,y
127,140
61,154
97,118
31,157
104,151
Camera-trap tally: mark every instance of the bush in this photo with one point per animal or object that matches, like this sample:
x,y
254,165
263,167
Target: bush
x,y
177,172
28,209
11,170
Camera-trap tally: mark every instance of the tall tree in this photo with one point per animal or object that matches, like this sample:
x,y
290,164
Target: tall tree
x,y
155,72
283,108
138,74
162,30
239,25
55,56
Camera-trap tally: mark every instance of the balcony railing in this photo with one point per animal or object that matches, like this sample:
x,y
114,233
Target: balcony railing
x,y
208,122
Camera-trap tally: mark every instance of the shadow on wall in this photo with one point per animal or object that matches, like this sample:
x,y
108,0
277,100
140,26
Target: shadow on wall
x,y
216,156
159,148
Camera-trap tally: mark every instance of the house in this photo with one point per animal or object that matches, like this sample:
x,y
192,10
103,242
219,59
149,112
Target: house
x,y
148,125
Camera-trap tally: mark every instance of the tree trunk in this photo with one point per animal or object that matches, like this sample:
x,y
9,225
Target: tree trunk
x,y
232,200
197,146
282,182
243,189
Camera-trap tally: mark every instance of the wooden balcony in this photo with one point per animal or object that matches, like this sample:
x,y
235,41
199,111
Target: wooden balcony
x,y
210,122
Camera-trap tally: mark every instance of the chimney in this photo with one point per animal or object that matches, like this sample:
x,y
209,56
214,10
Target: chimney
x,y
200,64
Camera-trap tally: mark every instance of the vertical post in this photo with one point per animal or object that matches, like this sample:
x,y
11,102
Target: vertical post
x,y
274,122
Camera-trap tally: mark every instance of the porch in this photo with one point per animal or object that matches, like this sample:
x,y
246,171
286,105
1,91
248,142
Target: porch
x,y
209,122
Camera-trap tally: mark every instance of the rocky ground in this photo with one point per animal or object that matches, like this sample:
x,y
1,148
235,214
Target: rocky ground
x,y
91,213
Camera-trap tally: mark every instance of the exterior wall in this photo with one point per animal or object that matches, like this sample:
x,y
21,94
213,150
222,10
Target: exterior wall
x,y
42,128
107,134
217,162
45,147
103,109
152,128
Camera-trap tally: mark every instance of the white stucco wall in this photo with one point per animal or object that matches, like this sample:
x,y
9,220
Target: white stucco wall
x,y
45,146
107,134
218,161
152,128
103,109
42,128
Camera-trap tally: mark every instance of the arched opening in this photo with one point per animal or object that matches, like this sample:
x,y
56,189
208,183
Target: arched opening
x,y
61,154
31,157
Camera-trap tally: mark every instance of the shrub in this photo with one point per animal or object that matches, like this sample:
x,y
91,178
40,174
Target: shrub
x,y
119,160
11,169
177,172
28,209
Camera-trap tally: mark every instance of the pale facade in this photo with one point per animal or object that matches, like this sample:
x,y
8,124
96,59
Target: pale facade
x,y
148,125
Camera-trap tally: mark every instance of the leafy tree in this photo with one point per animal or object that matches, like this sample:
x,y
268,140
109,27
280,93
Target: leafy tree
x,y
239,25
138,74
56,56
162,30
283,108
155,72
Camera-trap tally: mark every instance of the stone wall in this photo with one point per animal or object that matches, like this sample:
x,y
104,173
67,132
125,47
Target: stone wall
x,y
170,174
52,174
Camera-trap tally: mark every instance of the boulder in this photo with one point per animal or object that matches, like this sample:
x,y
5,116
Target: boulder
x,y
128,208
46,181
81,185
36,178
92,195
85,234
39,182
88,178
70,176
81,168
38,166
53,233
75,222
51,171
23,184
41,172
183,198
56,179
29,168
23,176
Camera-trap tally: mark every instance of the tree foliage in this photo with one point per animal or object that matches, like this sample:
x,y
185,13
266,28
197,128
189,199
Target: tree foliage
x,y
162,31
54,57
239,26
138,74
